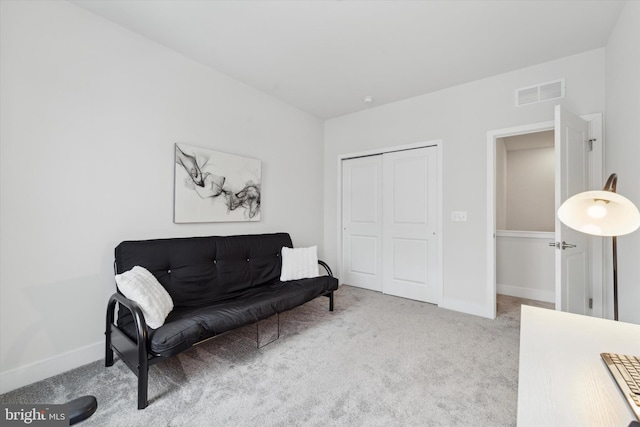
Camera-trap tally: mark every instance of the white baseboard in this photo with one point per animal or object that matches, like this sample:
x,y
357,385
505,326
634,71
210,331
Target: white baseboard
x,y
528,293
37,371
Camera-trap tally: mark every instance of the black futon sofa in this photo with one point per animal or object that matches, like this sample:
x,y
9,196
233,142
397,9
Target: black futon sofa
x,y
217,284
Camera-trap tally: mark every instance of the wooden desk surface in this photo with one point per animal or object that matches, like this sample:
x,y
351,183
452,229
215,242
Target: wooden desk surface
x,y
562,379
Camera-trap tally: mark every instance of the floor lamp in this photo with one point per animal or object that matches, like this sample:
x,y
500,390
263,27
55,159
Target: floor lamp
x,y
602,213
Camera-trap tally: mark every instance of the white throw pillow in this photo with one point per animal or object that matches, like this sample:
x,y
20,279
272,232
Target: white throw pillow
x,y
299,263
139,285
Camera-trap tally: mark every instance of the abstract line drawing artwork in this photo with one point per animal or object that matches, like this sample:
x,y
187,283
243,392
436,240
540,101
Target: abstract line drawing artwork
x,y
211,186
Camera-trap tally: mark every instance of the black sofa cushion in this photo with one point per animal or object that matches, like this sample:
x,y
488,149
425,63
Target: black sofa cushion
x,y
198,271
187,326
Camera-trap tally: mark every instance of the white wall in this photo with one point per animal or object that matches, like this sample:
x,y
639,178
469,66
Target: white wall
x,y
525,267
622,149
525,185
461,117
89,114
531,189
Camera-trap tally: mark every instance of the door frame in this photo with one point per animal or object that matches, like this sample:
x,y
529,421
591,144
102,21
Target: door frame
x,y
438,143
596,176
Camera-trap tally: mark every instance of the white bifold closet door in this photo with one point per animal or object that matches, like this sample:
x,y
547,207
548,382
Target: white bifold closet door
x,y
389,223
362,222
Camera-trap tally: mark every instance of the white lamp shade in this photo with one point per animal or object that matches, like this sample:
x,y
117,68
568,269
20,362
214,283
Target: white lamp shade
x,y
600,213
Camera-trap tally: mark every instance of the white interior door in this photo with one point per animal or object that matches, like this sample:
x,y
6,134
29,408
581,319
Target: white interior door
x,y
409,224
362,222
572,247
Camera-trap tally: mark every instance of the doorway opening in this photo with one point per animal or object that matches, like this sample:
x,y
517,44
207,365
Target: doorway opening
x,y
525,215
536,237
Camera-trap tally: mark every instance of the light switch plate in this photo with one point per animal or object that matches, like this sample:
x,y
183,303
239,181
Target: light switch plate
x,y
458,216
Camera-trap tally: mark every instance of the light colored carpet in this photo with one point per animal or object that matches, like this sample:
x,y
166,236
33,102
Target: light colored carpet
x,y
377,360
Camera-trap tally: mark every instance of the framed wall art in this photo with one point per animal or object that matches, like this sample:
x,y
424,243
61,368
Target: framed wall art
x,y
211,186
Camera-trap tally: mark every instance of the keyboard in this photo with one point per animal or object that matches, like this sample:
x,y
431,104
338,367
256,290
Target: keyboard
x,y
626,371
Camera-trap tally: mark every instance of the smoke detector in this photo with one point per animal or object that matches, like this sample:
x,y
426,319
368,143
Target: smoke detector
x,y
368,99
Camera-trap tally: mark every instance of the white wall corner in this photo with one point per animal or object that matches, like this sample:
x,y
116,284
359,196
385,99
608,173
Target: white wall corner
x,y
527,293
468,307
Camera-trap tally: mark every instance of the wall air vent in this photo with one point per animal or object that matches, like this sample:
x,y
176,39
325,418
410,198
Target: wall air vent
x,y
540,93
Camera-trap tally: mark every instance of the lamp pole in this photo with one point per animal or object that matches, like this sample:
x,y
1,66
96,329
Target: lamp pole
x,y
615,276
611,186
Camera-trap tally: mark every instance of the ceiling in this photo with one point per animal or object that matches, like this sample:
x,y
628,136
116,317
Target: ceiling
x,y
325,56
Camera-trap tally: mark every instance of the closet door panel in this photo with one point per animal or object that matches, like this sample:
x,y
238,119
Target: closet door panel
x,y
362,222
409,224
